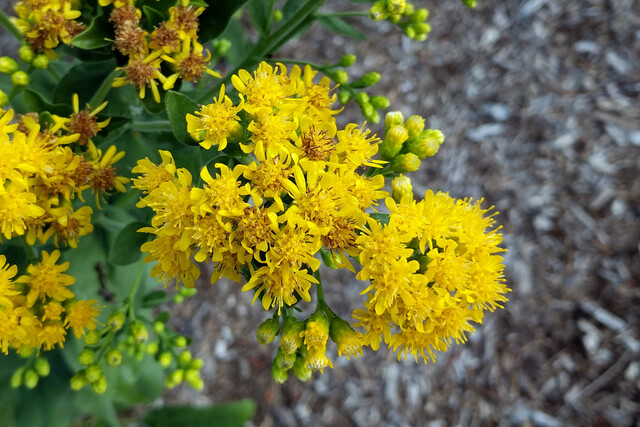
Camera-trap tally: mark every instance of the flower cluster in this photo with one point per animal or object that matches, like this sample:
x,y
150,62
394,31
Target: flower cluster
x,y
299,192
38,309
403,14
41,174
46,23
172,43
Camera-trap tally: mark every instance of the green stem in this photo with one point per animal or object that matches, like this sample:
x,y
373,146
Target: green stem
x,y
133,290
266,46
152,126
31,252
319,290
270,17
341,14
8,25
104,89
14,91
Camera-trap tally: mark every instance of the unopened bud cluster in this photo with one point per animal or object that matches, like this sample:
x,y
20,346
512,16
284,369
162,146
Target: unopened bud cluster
x,y
407,143
29,374
403,14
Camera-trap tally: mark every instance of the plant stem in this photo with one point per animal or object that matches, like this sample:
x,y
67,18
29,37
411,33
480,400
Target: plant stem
x,y
134,289
152,126
8,25
341,14
319,290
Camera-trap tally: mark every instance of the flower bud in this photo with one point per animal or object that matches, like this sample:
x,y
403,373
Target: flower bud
x,y
349,341
42,367
347,60
87,357
221,47
176,376
316,331
414,125
427,144
192,377
165,359
41,62
367,109
277,15
78,381
344,96
8,65
187,292
420,37
139,332
113,357
469,3
152,348
26,54
394,138
393,118
301,370
93,373
396,7
401,188
196,363
379,102
362,98
267,331
404,163
178,299
20,78
367,80
419,16
408,10
279,375
394,19
422,29
378,11
410,31
290,340
184,358
158,327
30,379
317,360
340,77
180,342
4,99
284,361
100,386
116,320
16,378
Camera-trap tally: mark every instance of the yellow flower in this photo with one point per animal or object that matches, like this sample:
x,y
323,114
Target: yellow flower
x,y
52,311
189,63
376,327
357,148
68,225
280,286
52,334
47,280
80,316
7,288
217,121
142,73
17,207
269,134
84,123
104,178
172,263
267,88
223,192
152,175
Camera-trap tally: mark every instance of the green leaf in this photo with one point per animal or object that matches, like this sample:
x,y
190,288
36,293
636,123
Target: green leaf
x,y
35,102
126,248
233,414
259,12
84,79
217,18
135,381
154,298
149,103
382,218
96,35
154,17
339,26
178,106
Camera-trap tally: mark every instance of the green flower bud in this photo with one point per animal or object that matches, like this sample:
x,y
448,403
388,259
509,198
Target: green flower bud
x,y
379,102
113,357
347,60
184,358
93,373
285,361
41,62
30,379
4,99
42,367
165,359
367,80
152,348
192,377
344,96
8,65
394,19
177,376
16,378
469,3
340,77
196,363
362,98
158,327
414,125
20,78
26,54
405,163
422,28
279,375
78,381
221,47
420,37
378,11
367,109
87,357
91,337
427,144
290,340
408,10
277,15
372,116
396,7
180,342
396,136
116,320
187,292
100,386
393,118
419,16
410,31
349,341
139,331
267,331
401,188
26,352
178,299
301,370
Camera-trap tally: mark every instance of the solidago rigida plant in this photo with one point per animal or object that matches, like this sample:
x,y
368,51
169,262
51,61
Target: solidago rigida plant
x,y
128,159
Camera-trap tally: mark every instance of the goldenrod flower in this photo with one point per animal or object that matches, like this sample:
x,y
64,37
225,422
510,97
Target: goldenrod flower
x,y
216,121
152,175
267,88
81,122
7,288
80,316
47,279
17,207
